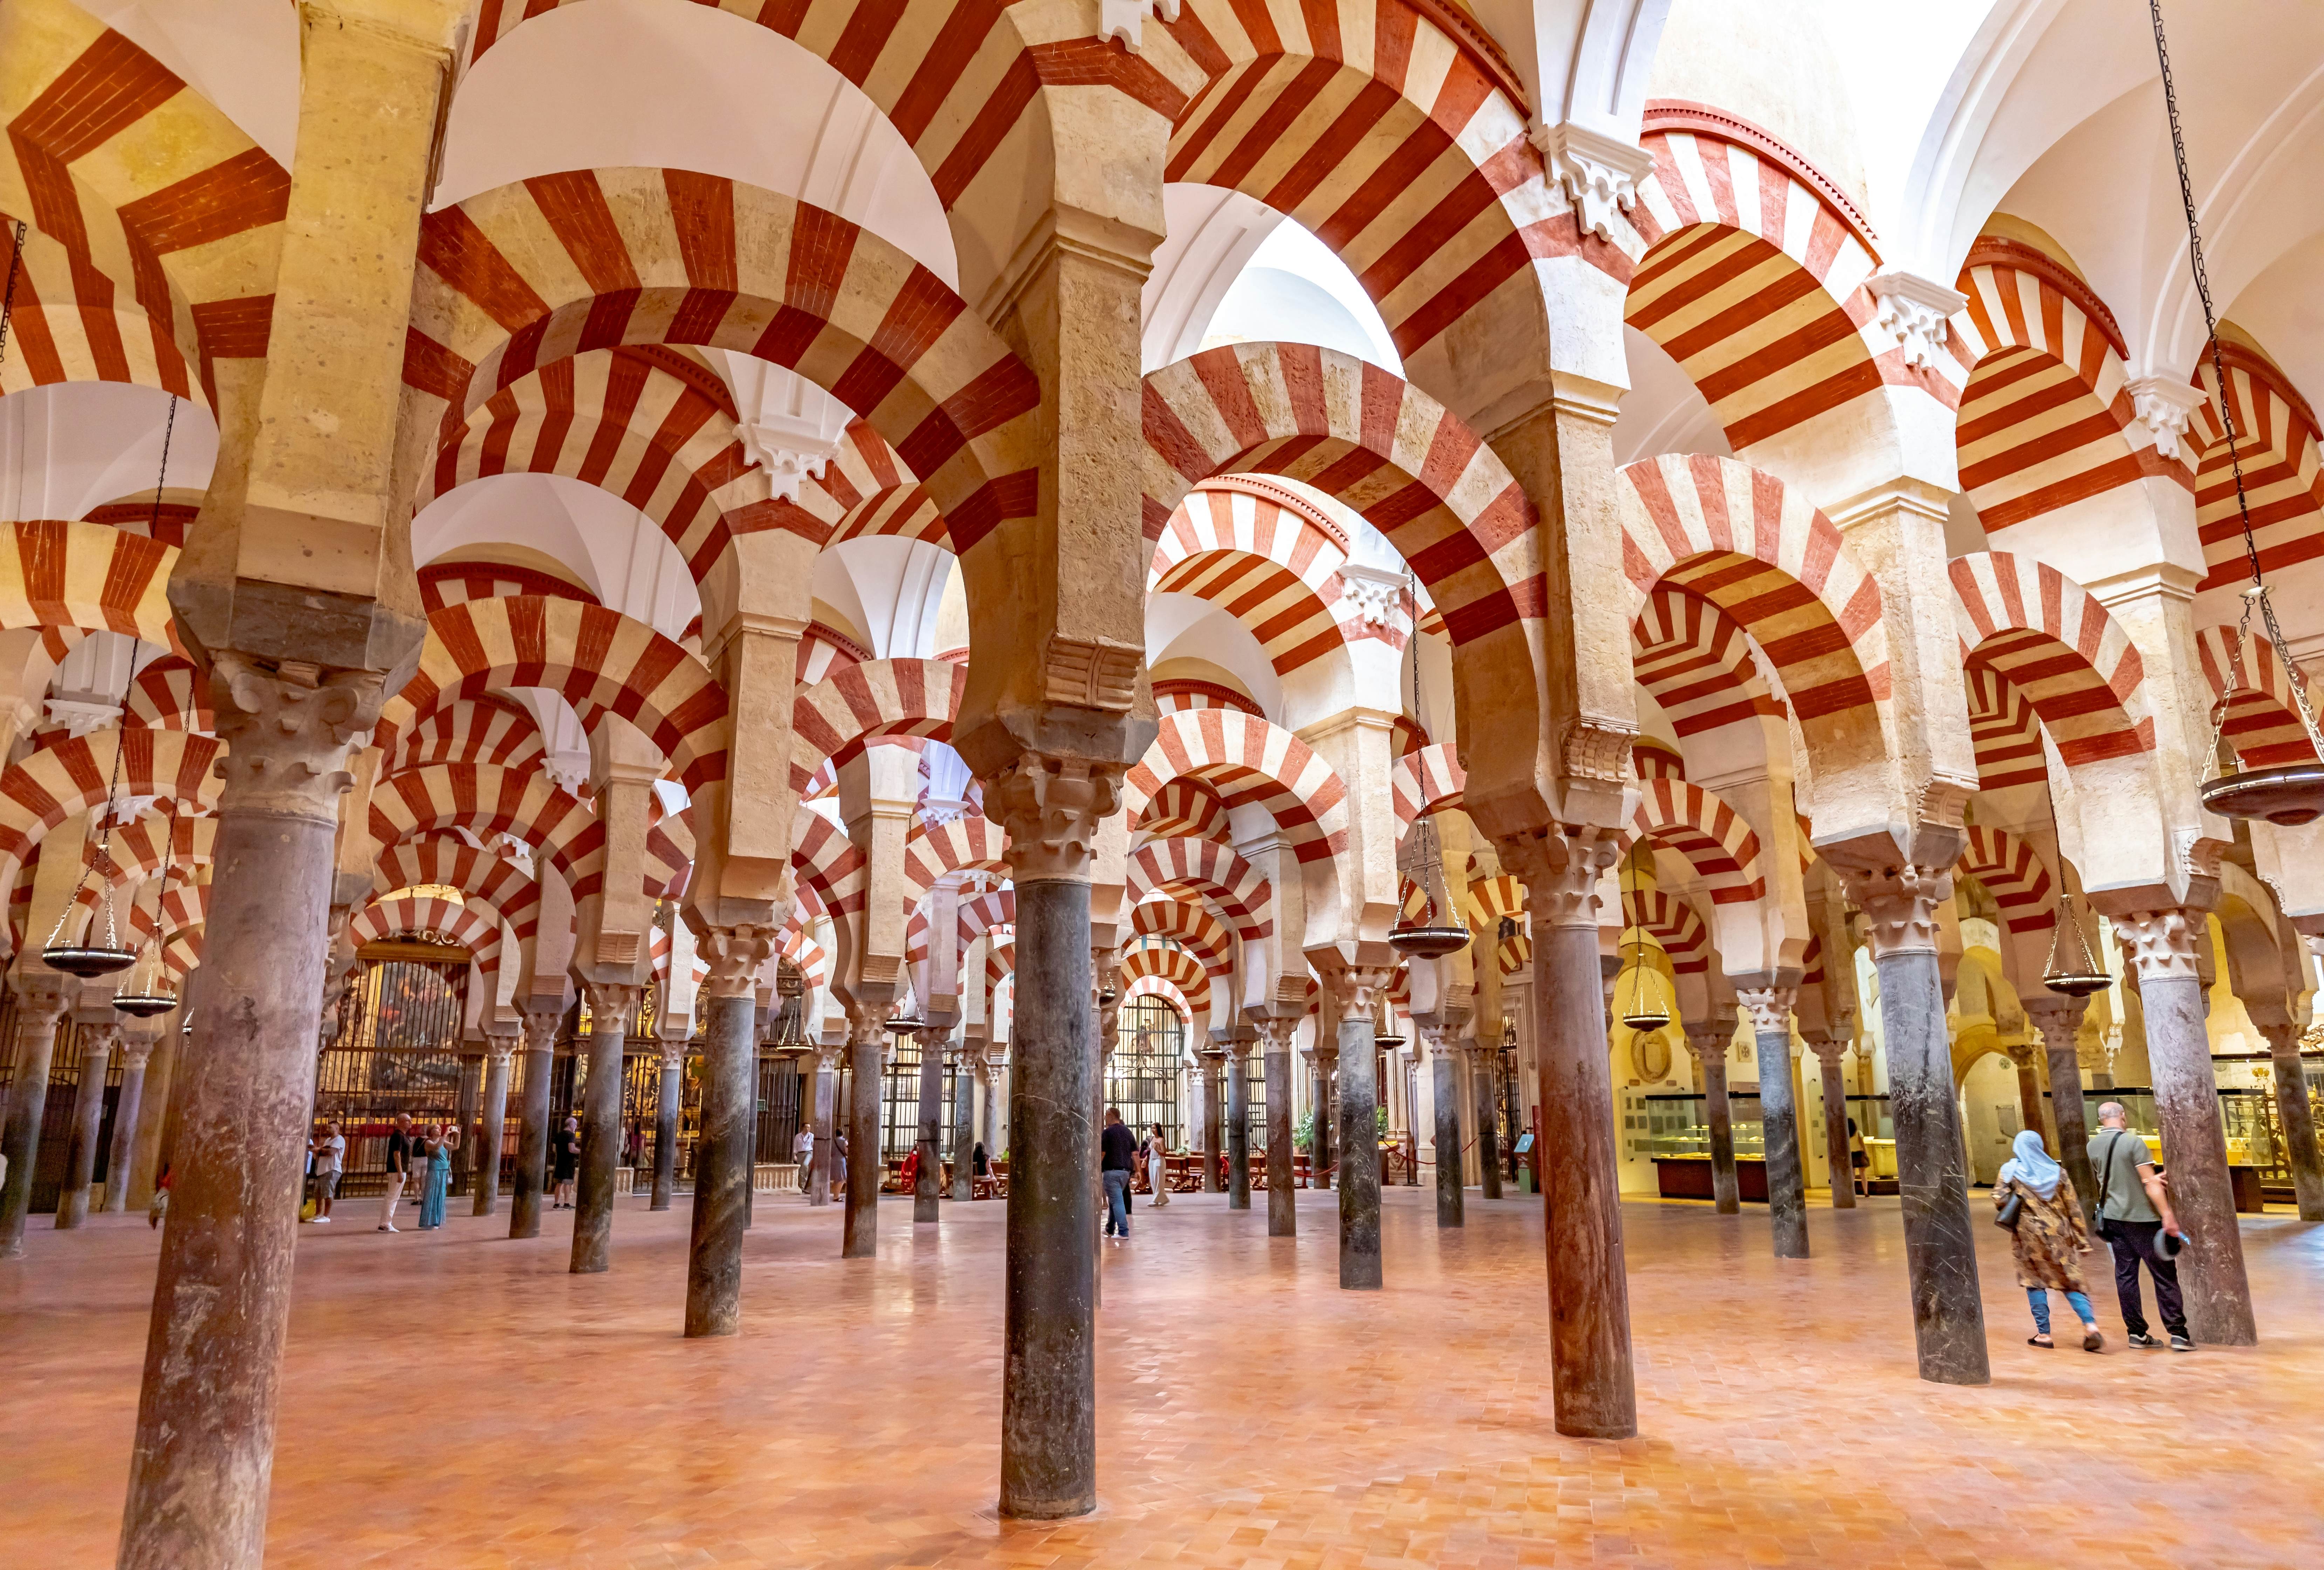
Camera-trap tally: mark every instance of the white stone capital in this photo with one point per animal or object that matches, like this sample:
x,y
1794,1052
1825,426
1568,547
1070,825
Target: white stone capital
x,y
1913,310
1126,20
2165,407
1600,173
1375,594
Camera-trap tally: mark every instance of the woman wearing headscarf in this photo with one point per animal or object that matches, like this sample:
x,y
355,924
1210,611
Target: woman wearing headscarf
x,y
2048,1236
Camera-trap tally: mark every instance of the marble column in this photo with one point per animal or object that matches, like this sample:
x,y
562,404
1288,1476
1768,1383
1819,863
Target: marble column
x,y
1445,1093
87,1121
2161,946
867,1043
2060,1021
1588,1289
1237,1068
2297,1118
1931,1174
1484,1076
1834,1082
464,1160
963,1121
1769,1009
1211,1064
134,1051
610,1004
996,1100
542,1019
826,1115
927,1187
730,1116
1708,1040
1354,990
1323,1060
2029,1093
1275,1058
491,1124
153,1104
668,1097
1052,809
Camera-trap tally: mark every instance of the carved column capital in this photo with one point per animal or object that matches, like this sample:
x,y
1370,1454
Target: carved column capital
x,y
134,1050
1560,867
2283,1040
2161,945
1829,1049
2021,1053
2059,1019
1356,988
499,1047
1769,1008
1051,808
1900,906
288,732
735,956
43,996
868,1022
1274,1033
828,1058
540,1028
673,1056
612,1003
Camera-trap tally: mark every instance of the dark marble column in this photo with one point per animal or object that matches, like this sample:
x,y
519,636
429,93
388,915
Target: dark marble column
x,y
1834,1085
1770,1012
492,1125
963,1121
134,1051
1444,1096
996,1100
463,1159
1354,990
1484,1074
927,1187
867,1043
730,1116
1237,1066
2297,1117
2161,946
671,1092
1324,1057
1589,1287
826,1114
2029,1093
1211,1063
601,1127
2059,1020
1931,1176
153,1103
1275,1058
1709,1041
87,1122
542,1019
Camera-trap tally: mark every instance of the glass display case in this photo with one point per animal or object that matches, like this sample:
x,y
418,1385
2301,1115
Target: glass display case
x,y
1678,1124
2249,1117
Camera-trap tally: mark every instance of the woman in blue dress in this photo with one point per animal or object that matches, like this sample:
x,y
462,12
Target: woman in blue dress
x,y
440,1144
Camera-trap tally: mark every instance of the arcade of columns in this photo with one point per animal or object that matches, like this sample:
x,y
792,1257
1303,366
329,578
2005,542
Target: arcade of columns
x,y
1708,725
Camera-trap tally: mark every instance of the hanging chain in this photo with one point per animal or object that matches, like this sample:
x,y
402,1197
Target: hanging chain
x,y
169,429
2258,590
8,300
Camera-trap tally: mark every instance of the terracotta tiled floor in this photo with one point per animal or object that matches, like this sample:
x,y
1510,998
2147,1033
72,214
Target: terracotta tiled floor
x,y
457,1400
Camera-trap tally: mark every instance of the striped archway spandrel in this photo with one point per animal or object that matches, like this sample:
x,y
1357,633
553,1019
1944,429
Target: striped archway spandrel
x,y
931,850
1246,761
2263,722
59,574
835,718
2016,876
1673,923
481,875
2277,441
1697,662
486,800
1426,780
70,323
1370,440
1713,837
2045,635
1216,871
61,781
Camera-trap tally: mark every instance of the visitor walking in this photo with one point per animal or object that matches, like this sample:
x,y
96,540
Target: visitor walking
x,y
2134,1217
329,1150
568,1163
802,1153
438,1182
1158,1166
1859,1162
155,1208
1119,1150
399,1170
2047,1235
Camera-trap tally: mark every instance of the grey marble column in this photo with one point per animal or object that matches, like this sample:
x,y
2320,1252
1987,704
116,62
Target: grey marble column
x,y
1444,1094
1484,1074
463,1159
1770,1012
964,1122
542,1019
2298,1118
2161,946
1324,1059
1834,1085
1237,1066
1275,1057
1211,1064
134,1051
492,1125
153,1104
826,1114
2060,1021
1354,990
867,1045
1708,1040
927,1188
668,1096
730,1116
88,1120
610,1004
1931,1175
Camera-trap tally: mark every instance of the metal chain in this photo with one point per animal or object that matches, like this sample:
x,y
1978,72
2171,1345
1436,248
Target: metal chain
x,y
8,300
2296,678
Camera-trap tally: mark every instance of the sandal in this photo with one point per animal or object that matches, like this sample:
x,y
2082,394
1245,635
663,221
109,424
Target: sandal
x,y
2040,1341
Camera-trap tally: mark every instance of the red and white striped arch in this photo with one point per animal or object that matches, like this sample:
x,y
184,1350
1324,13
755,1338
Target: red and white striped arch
x,y
826,862
2283,477
483,729
1155,986
144,849
1425,780
2013,870
804,952
1651,758
868,489
2262,723
1248,761
824,651
1752,278
1167,964
455,583
591,655
1673,923
1180,692
1491,899
486,800
484,878
931,850
1211,870
402,914
1186,922
1695,661
72,323
2003,731
1261,561
1722,848
1186,809
2044,634
834,719
519,277
1368,439
1741,538
171,695
66,779
87,575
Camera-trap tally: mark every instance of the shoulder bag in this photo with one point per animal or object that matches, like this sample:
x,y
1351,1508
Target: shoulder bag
x,y
2011,1208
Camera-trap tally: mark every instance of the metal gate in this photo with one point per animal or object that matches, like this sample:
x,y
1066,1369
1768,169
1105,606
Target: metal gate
x,y
399,1051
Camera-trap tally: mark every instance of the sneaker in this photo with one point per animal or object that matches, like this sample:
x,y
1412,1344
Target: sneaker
x,y
384,1227
322,1221
2181,1344
2140,1338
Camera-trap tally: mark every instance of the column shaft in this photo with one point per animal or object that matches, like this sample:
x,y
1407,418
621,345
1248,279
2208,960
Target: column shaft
x,y
463,1159
2029,1095
927,1188
1282,1203
531,1179
1835,1131
826,1097
860,1238
2187,1106
1445,1084
1482,1072
88,1120
963,1130
491,1125
1215,1122
1238,1130
2073,1120
1787,1200
722,1168
2299,1121
1360,1168
600,1143
667,1097
1323,1140
125,1107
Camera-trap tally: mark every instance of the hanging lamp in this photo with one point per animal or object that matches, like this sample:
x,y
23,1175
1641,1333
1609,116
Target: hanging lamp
x,y
2071,971
1644,1013
1432,936
160,1000
2289,794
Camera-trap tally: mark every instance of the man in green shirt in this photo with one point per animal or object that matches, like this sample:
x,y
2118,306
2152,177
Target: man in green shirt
x,y
2133,1212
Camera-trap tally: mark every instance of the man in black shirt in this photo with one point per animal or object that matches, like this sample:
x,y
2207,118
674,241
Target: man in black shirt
x,y
1118,1152
399,1168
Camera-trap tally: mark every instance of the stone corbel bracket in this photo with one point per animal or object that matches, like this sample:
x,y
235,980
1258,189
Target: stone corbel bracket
x,y
1126,20
1600,173
1915,311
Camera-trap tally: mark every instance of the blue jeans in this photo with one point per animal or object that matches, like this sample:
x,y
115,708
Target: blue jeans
x,y
2039,1296
1117,1204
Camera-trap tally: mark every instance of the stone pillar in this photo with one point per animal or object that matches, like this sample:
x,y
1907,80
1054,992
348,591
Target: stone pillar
x,y
730,1112
134,1051
1051,809
2297,1117
491,1124
542,1017
463,1163
867,1041
1238,1066
996,1099
1828,1050
1354,990
927,1187
1770,1012
610,1004
1484,1074
1589,1289
87,1121
2059,1020
153,1105
964,1122
2029,1091
1931,1176
1444,1086
1323,1061
668,1097
1709,1041
2159,945
827,1112
42,998
1275,1057
1213,1064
